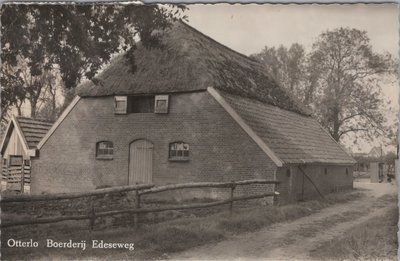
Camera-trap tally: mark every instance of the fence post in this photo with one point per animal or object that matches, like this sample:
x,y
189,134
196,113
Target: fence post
x,y
92,218
276,199
231,198
137,206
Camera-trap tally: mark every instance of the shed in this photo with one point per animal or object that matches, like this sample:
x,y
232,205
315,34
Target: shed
x,y
18,148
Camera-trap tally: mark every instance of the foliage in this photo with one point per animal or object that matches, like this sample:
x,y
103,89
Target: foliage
x,y
349,89
287,66
75,39
340,79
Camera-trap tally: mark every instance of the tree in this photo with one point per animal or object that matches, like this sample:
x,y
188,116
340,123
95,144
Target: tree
x,y
347,84
339,80
77,39
287,66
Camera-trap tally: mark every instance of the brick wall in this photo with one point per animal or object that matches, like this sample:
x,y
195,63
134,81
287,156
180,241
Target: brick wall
x,y
219,149
291,186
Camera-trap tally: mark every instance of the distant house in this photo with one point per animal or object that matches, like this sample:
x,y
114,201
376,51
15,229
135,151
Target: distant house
x,y
376,152
18,147
374,165
194,110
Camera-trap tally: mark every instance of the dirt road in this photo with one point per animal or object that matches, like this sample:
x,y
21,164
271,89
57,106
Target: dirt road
x,y
295,240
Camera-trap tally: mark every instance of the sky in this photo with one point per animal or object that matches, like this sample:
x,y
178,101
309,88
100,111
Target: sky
x,y
248,28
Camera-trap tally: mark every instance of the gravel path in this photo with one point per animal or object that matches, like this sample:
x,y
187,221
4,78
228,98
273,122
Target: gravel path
x,y
294,240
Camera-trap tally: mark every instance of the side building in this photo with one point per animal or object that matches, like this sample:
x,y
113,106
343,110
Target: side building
x,y
18,148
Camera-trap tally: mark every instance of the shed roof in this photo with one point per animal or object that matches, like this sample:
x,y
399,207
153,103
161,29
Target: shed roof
x,y
294,138
30,132
189,61
33,130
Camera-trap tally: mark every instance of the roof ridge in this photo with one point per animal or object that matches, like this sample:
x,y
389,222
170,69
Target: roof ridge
x,y
303,110
218,43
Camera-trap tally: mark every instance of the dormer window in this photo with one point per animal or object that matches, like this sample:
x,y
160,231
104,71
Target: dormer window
x,y
141,104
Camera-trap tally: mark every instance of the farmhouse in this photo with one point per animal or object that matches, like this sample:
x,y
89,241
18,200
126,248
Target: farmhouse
x,y
18,148
193,110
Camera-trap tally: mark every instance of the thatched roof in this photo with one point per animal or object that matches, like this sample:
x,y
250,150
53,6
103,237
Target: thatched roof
x,y
189,61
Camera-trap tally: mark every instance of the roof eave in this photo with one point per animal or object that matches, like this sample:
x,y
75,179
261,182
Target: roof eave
x,y
58,122
302,162
3,142
17,128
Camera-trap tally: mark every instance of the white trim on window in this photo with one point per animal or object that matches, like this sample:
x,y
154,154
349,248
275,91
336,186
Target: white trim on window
x,y
165,100
104,149
178,151
123,101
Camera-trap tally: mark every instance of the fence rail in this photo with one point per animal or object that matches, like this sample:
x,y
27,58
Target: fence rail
x,y
146,189
207,185
28,198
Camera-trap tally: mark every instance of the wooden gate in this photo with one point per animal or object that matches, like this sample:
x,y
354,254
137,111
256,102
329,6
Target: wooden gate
x,y
141,162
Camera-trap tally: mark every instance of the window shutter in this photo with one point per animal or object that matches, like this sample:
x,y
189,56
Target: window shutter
x,y
120,104
161,103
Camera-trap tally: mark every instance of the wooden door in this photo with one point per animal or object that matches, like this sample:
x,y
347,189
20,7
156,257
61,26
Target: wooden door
x,y
141,162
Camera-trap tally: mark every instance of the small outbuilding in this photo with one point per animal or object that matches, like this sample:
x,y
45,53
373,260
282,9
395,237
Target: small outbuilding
x,y
18,148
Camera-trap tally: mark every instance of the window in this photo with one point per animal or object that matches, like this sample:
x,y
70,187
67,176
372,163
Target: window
x,y
326,171
4,162
120,104
178,151
104,150
347,171
16,160
288,173
141,104
161,104
27,162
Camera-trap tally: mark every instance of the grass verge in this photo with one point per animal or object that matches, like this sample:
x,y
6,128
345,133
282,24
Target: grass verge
x,y
375,239
157,240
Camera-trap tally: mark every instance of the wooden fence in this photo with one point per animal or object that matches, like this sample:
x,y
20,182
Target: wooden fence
x,y
140,190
